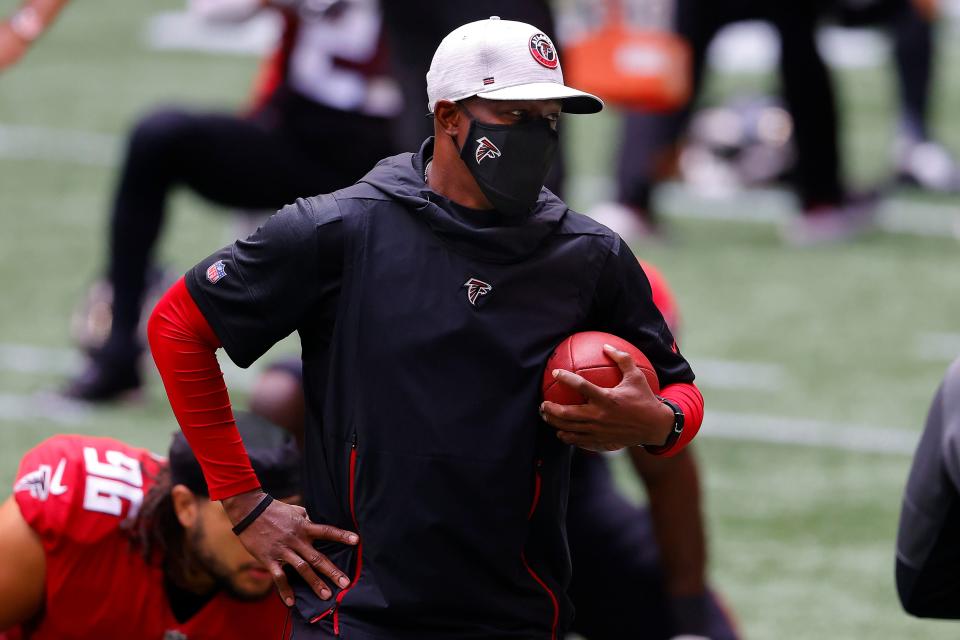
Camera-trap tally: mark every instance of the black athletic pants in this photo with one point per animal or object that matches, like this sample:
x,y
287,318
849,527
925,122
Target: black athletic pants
x,y
290,148
913,53
806,85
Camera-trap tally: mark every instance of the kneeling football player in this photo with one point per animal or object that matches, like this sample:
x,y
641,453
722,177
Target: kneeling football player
x,y
104,540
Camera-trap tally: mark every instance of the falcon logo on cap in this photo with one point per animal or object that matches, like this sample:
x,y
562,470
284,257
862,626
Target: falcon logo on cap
x,y
486,149
475,289
216,272
543,52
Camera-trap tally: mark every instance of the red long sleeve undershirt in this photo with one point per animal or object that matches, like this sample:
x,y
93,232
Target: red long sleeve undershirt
x,y
184,348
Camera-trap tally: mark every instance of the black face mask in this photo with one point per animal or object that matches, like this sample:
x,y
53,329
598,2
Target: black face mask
x,y
509,161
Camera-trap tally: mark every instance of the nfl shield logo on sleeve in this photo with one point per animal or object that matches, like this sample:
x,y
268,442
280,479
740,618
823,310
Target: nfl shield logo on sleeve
x,y
216,272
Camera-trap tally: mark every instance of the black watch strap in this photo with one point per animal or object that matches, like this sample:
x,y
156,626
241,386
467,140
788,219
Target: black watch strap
x,y
678,420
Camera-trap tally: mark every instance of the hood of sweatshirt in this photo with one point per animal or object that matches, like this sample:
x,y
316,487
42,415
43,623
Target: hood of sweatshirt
x,y
486,235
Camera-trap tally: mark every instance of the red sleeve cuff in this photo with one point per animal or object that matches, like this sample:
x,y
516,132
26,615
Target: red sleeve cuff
x,y
690,401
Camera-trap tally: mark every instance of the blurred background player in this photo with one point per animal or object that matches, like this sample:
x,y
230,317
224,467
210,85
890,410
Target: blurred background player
x,y
928,558
27,24
321,120
327,81
748,141
104,540
638,571
919,159
650,140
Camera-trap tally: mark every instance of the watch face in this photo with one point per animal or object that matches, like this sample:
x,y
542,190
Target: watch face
x,y
677,415
675,433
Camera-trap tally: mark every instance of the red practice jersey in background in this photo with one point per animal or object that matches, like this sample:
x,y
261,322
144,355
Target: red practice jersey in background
x,y
79,493
663,298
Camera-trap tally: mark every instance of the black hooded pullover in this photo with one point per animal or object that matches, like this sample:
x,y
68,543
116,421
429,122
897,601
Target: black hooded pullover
x,y
425,329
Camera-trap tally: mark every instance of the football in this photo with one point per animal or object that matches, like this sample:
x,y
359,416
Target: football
x,y
583,354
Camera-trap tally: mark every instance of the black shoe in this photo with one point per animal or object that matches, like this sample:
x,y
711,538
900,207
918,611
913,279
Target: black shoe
x,y
104,381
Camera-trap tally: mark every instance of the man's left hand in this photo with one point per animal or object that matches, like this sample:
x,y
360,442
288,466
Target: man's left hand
x,y
612,418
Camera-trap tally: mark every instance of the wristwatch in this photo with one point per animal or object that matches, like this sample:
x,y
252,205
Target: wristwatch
x,y
678,420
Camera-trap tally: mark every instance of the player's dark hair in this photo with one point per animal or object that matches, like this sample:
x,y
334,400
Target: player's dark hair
x,y
157,530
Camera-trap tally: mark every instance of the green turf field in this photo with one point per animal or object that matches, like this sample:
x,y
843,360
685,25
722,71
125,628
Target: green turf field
x,y
848,338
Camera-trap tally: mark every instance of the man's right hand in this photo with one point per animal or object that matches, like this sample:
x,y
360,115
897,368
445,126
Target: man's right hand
x,y
284,535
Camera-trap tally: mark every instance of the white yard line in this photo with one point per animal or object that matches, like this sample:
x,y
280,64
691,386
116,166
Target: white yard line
x,y
750,427
920,218
734,375
741,427
712,373
775,206
183,31
42,406
24,358
894,214
937,346
21,142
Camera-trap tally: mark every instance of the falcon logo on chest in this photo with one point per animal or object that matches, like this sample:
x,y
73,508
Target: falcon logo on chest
x,y
476,289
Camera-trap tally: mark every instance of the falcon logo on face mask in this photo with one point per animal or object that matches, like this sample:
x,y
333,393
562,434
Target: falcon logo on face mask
x,y
475,289
486,149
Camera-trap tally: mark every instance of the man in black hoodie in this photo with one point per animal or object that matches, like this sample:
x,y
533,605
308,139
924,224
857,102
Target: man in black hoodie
x,y
927,554
427,298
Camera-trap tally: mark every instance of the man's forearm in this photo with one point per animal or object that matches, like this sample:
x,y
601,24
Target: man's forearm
x,y
184,348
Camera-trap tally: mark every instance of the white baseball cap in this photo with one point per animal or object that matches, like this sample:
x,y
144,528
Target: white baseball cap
x,y
502,60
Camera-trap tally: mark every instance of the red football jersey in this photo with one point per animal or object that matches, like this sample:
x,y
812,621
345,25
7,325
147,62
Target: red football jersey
x,y
663,297
77,492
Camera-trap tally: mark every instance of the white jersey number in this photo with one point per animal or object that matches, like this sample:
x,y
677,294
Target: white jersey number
x,y
109,482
